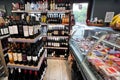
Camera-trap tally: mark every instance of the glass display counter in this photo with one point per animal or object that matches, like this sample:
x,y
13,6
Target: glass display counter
x,y
97,53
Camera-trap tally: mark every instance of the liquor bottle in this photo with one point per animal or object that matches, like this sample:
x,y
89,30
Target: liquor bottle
x,y
24,54
19,53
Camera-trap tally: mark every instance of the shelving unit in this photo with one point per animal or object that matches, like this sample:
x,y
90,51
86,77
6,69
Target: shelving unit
x,y
9,65
3,68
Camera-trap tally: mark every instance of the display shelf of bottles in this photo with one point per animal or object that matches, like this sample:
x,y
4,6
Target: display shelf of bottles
x,y
113,44
1,37
56,47
28,67
39,11
24,39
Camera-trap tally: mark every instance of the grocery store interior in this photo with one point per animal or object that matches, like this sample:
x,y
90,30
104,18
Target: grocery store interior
x,y
59,40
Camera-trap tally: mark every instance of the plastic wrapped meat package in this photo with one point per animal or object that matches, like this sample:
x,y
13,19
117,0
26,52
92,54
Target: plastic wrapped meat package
x,y
97,63
110,73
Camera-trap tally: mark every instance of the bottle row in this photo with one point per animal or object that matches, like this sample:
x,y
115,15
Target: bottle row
x,y
42,5
58,30
23,74
57,52
25,53
57,42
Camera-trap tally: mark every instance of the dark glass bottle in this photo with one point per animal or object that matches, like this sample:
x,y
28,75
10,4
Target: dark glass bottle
x,y
29,55
26,29
36,76
24,54
15,54
35,56
20,29
19,53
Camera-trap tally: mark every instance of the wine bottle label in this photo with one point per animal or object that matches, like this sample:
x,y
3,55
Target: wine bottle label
x,y
35,58
19,70
19,56
25,30
35,31
15,29
31,30
10,29
55,32
7,30
2,31
29,58
15,56
11,70
37,18
10,56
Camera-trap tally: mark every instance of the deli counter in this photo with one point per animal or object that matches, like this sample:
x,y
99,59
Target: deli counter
x,y
96,52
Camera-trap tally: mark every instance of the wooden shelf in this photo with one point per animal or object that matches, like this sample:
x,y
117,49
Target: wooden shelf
x,y
56,47
39,11
18,11
24,39
59,11
28,67
59,36
2,37
58,24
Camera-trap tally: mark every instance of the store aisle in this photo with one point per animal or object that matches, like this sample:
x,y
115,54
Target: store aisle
x,y
57,70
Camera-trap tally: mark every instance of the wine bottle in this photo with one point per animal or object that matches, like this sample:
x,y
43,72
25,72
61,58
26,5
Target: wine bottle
x,y
29,55
10,56
15,29
20,29
35,56
19,74
25,74
11,76
24,54
15,54
36,76
31,29
26,30
10,28
19,53
30,75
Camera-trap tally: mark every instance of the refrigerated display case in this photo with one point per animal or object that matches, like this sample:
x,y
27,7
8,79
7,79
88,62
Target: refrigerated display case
x,y
96,52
